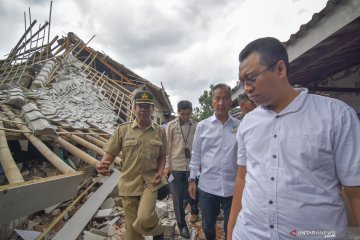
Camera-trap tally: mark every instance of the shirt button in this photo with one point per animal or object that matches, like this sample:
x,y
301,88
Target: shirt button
x,y
275,136
277,116
272,178
274,156
271,202
271,226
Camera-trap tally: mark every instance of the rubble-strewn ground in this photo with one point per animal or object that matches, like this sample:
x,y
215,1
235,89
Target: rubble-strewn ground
x,y
107,223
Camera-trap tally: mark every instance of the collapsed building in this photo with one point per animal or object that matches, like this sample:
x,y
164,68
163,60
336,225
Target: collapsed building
x,y
60,101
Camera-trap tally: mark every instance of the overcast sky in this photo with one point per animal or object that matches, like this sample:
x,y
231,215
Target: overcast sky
x,y
185,44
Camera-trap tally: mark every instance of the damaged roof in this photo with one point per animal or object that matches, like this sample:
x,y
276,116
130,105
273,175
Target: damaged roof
x,y
326,45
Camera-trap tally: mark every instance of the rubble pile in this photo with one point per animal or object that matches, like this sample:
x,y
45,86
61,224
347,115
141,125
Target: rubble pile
x,y
108,222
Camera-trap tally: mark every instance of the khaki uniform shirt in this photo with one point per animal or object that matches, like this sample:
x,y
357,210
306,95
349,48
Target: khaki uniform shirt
x,y
175,157
141,149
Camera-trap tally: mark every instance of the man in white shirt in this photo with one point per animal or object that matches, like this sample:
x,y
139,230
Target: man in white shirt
x,y
296,152
214,149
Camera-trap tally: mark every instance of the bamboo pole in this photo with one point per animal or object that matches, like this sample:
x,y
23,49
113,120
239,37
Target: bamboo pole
x,y
43,149
83,142
14,130
59,133
99,137
65,133
89,145
76,151
94,140
4,120
15,50
11,171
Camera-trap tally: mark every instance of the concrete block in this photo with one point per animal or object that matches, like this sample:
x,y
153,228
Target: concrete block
x,y
161,209
168,227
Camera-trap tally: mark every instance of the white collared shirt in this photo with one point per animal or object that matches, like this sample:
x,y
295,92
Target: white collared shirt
x,y
214,149
297,160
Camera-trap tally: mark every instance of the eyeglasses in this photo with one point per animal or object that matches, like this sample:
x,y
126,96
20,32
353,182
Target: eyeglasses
x,y
251,81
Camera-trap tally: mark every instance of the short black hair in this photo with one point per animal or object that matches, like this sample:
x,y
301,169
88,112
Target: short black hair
x,y
270,49
184,104
243,97
166,114
220,85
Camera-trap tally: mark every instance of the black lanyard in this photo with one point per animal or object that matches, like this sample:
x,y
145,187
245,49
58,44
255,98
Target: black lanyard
x,y
182,133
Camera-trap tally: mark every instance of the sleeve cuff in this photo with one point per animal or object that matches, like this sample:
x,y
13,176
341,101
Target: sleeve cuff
x,y
193,174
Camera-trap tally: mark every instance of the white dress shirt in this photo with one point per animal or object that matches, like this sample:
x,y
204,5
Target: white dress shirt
x,y
214,149
297,161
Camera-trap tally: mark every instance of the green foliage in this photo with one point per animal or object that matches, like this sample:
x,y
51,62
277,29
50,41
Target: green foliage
x,y
205,110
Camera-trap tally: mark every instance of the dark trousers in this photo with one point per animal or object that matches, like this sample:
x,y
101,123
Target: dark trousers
x,y
210,208
179,192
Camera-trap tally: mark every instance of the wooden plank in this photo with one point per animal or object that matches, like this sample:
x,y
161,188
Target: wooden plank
x,y
21,199
75,225
10,136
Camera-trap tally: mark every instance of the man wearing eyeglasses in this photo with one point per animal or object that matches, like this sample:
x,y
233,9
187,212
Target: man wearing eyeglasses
x,y
295,154
143,147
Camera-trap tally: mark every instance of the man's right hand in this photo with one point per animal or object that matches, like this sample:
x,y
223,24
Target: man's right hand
x,y
192,189
166,172
102,167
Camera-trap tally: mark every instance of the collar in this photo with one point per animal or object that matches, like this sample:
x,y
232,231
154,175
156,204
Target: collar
x,y
181,122
213,118
136,124
295,105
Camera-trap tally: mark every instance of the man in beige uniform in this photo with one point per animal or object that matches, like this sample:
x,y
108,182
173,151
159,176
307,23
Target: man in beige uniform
x,y
143,146
180,134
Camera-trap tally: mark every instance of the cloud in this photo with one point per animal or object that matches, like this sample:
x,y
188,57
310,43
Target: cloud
x,y
187,45
302,11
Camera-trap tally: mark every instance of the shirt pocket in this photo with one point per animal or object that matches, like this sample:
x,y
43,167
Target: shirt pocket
x,y
129,146
307,150
155,147
154,150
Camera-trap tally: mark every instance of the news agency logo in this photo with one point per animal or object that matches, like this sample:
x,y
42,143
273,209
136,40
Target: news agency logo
x,y
313,233
293,233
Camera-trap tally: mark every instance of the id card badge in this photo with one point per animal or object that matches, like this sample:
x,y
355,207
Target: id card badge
x,y
187,153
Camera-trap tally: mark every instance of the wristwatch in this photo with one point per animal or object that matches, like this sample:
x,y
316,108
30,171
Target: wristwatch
x,y
191,179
